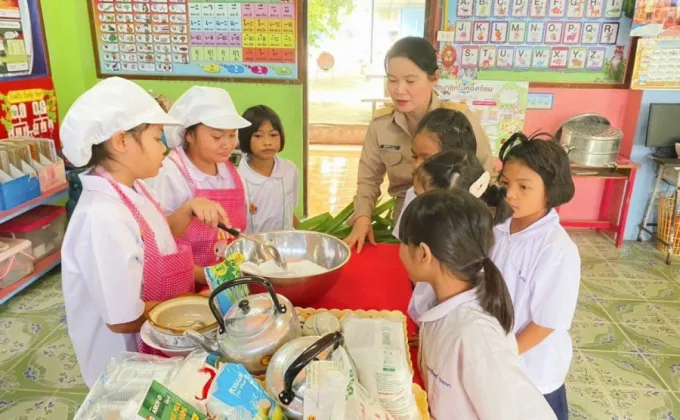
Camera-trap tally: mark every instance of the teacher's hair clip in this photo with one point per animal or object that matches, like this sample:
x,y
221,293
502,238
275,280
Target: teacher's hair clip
x,y
479,187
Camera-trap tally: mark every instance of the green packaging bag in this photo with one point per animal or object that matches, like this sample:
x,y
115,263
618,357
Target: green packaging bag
x,y
162,404
224,272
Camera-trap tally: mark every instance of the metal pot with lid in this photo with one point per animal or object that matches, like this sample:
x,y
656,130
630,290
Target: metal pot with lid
x,y
254,328
285,377
591,143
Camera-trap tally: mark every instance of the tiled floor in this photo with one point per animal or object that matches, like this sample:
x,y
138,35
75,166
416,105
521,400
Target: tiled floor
x,y
626,331
626,335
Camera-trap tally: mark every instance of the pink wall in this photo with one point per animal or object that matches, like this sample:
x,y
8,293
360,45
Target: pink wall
x,y
620,106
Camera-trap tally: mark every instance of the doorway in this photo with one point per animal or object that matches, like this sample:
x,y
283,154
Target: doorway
x,y
347,43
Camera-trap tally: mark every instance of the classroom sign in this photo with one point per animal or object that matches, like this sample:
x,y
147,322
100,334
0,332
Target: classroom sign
x,y
198,39
552,41
656,64
28,108
500,106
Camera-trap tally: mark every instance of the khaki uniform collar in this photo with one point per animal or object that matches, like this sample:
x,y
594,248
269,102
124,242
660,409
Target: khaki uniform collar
x,y
400,119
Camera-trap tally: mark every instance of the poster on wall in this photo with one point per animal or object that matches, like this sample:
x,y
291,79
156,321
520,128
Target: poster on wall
x,y
549,41
664,14
22,42
656,64
29,108
501,106
198,39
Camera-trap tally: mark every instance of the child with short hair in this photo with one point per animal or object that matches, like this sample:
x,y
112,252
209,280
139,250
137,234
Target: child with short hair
x,y
441,130
119,256
539,261
454,169
467,354
271,182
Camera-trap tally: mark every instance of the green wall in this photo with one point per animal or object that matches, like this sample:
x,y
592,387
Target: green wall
x,y
72,63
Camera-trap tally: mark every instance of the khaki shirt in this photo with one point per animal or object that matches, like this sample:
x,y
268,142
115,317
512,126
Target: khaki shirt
x,y
387,149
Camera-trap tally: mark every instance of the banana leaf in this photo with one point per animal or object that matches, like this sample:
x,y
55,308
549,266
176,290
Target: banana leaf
x,y
313,222
340,219
384,207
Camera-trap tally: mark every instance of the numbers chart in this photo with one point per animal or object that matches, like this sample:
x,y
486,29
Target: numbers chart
x,y
197,39
551,41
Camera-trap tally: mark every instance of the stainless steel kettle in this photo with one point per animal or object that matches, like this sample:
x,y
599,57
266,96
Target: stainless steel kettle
x,y
253,329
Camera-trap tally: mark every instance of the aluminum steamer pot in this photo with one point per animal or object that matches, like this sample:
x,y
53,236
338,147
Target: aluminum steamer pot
x,y
286,373
254,328
591,143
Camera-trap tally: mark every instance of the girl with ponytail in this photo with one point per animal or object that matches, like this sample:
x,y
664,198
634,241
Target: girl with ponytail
x,y
454,169
467,352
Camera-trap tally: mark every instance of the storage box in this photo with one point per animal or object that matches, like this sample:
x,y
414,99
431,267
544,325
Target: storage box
x,y
44,159
43,226
16,261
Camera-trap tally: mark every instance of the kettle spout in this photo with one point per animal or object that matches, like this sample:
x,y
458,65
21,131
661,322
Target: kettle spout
x,y
211,346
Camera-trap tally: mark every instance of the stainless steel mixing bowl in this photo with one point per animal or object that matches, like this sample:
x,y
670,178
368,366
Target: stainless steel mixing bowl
x,y
297,245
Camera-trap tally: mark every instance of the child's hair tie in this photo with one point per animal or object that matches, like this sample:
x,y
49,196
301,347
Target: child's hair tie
x,y
479,187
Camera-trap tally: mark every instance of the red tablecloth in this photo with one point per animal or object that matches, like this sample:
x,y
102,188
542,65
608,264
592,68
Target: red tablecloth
x,y
374,279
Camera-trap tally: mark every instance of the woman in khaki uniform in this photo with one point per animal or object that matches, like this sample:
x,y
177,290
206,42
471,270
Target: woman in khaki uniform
x,y
412,73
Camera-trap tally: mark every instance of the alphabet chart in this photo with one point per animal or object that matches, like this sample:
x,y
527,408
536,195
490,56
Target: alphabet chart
x,y
551,41
197,39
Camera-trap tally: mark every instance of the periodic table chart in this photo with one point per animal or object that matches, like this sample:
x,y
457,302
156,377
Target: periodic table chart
x,y
197,39
550,41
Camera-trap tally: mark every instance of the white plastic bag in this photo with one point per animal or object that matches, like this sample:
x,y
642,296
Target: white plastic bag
x,y
377,347
360,405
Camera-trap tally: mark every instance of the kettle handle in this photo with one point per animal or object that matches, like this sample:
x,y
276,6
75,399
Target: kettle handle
x,y
261,281
335,339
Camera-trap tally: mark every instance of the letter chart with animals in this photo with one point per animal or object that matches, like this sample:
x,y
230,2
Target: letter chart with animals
x,y
197,38
552,41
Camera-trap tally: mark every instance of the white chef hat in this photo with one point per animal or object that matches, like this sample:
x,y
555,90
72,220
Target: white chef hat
x,y
112,105
207,105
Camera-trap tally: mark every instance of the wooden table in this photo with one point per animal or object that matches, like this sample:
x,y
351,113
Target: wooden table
x,y
619,180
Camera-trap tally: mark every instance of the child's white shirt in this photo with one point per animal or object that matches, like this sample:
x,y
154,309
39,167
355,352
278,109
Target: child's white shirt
x,y
173,188
271,201
471,367
542,269
410,196
102,271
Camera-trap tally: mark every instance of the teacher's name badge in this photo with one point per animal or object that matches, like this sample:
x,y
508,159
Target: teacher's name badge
x,y
390,147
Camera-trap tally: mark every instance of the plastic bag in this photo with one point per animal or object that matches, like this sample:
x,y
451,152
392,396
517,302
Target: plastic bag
x,y
125,377
224,272
378,348
359,405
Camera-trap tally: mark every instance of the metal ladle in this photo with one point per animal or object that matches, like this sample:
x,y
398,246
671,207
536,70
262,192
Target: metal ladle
x,y
267,246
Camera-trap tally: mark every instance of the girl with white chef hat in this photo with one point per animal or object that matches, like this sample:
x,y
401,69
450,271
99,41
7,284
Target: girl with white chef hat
x,y
198,165
119,256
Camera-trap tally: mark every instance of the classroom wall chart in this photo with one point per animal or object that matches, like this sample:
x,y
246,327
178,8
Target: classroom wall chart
x,y
551,41
500,106
198,39
22,42
661,12
656,64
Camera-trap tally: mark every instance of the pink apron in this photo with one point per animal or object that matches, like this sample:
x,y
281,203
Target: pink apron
x,y
202,237
165,276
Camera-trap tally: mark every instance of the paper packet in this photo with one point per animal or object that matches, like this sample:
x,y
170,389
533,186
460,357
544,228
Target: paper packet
x,y
224,272
236,395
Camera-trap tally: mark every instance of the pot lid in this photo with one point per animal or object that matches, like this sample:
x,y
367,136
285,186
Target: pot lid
x,y
250,316
281,361
582,118
592,131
